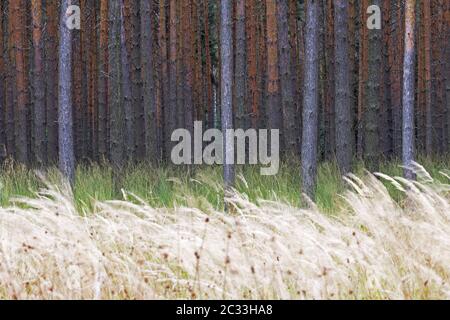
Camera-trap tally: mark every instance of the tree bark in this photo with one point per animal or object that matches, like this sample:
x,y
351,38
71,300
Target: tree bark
x,y
148,81
428,111
51,80
342,90
408,89
66,146
126,94
240,66
103,83
40,152
17,15
273,82
373,98
116,114
226,58
310,100
286,80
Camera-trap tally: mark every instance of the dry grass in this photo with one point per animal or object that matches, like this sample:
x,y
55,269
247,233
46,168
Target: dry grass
x,y
372,249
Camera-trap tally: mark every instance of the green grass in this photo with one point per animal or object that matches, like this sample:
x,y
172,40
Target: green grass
x,y
198,186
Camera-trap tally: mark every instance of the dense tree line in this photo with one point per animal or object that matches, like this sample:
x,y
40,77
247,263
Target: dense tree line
x,y
136,70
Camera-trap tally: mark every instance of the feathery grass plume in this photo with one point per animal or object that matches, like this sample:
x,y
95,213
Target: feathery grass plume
x,y
375,248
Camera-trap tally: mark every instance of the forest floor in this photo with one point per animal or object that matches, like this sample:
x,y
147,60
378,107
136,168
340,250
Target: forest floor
x,y
166,235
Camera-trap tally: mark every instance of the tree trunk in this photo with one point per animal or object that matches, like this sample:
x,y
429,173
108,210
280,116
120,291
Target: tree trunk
x,y
103,83
408,89
226,58
142,145
362,78
17,15
51,79
148,81
252,63
428,111
342,90
3,151
240,72
273,85
373,97
164,77
126,98
116,114
310,102
171,121
286,80
40,152
66,151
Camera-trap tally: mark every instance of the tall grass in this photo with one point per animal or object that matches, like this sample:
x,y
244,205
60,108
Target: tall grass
x,y
199,187
376,248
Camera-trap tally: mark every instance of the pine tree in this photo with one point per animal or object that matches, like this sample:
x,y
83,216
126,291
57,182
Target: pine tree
x,y
343,90
310,100
408,89
66,145
226,58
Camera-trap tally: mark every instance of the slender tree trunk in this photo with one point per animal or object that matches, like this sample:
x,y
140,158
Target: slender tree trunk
x,y
142,144
208,67
148,80
39,148
408,89
362,77
164,77
3,151
252,63
343,90
273,85
240,72
226,58
17,15
428,111
310,102
373,98
116,114
188,72
171,121
66,150
287,99
103,83
51,79
125,82
10,91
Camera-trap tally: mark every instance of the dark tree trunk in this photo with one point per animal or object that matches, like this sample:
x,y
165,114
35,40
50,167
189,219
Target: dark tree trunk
x,y
343,100
310,102
148,81
116,114
51,79
408,89
103,83
428,111
17,15
141,143
66,151
287,99
126,98
273,109
171,119
373,97
40,152
3,151
164,77
240,66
